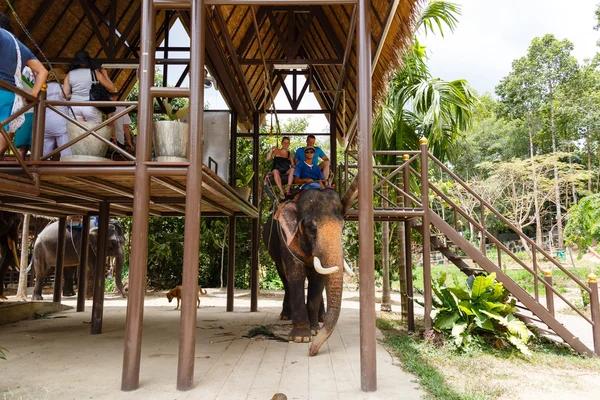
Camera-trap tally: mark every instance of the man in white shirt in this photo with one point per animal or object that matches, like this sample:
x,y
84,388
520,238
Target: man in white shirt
x,y
122,130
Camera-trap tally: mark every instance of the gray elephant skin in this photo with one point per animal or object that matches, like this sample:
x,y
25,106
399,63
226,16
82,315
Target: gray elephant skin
x,y
44,255
304,238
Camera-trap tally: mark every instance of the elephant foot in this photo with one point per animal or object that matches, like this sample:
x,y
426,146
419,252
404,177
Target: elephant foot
x,y
69,294
321,317
300,335
37,297
314,329
284,316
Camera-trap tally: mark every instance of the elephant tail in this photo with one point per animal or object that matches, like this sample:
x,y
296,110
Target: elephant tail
x,y
29,266
203,292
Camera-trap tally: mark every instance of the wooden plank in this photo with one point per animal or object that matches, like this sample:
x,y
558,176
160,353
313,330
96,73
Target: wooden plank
x,y
294,377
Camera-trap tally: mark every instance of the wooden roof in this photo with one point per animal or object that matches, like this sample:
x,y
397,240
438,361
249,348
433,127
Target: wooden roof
x,y
287,33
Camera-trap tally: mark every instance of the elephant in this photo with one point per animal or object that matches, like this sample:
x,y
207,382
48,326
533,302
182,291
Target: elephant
x,y
304,238
9,230
44,255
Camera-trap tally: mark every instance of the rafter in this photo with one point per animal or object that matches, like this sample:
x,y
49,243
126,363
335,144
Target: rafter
x,y
85,5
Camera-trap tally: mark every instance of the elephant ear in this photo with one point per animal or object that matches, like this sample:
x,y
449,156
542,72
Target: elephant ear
x,y
287,215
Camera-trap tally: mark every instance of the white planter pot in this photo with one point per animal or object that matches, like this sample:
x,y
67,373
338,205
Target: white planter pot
x,y
244,192
91,148
170,141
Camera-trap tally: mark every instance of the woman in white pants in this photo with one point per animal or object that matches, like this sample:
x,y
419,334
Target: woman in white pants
x,y
55,134
79,81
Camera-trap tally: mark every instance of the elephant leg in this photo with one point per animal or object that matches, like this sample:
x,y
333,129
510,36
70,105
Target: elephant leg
x,y
300,325
69,273
40,269
322,310
6,260
316,284
286,312
119,276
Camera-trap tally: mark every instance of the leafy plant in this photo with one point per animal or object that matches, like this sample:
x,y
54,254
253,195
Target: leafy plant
x,y
244,177
175,114
2,355
480,309
583,223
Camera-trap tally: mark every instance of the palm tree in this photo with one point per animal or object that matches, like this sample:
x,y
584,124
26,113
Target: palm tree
x,y
418,105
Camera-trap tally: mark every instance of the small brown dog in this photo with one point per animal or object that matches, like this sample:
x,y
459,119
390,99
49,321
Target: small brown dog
x,y
176,293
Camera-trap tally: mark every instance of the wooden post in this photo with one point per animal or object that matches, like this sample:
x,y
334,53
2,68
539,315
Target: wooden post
x,y
426,235
60,259
83,263
22,288
386,304
368,358
594,307
231,264
191,245
409,277
549,292
138,261
255,234
100,270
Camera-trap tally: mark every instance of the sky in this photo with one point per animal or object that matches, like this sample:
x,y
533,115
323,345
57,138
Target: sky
x,y
493,33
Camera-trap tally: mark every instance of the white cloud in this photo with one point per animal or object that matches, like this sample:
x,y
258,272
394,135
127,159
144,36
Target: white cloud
x,y
491,34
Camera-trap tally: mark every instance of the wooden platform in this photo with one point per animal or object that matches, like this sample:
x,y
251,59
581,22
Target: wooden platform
x,y
73,188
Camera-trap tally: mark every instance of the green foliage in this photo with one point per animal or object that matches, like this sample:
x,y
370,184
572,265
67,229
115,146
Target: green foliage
x,y
583,223
479,309
2,354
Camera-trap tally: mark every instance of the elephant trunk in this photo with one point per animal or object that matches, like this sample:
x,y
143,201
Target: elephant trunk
x,y
334,286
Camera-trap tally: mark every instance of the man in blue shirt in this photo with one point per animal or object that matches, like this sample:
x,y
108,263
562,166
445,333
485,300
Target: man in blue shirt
x,y
319,153
306,172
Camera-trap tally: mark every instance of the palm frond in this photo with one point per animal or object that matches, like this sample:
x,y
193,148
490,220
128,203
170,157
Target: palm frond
x,y
438,13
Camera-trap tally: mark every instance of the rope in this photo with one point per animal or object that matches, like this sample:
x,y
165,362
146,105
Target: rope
x,y
24,28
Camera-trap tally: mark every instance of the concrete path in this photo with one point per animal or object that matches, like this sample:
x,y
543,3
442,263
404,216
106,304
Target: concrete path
x,y
57,358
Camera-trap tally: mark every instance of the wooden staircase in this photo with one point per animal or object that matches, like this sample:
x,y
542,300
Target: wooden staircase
x,y
517,291
415,211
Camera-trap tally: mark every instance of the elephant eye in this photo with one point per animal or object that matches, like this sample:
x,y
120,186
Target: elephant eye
x,y
311,226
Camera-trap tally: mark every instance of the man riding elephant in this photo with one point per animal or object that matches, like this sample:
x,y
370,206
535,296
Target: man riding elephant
x,y
304,238
44,255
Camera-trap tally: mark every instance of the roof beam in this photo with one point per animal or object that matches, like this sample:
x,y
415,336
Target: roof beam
x,y
186,4
233,56
132,22
295,61
39,14
347,52
88,13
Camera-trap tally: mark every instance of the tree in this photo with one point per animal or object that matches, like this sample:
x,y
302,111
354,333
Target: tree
x,y
583,224
552,66
418,105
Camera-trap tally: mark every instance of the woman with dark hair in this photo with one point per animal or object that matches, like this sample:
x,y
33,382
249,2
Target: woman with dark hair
x,y
15,57
79,81
282,164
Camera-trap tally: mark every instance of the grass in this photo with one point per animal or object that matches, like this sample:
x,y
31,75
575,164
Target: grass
x,y
488,373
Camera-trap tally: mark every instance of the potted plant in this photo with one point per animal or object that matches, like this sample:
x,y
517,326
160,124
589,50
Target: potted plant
x,y
91,148
244,181
171,136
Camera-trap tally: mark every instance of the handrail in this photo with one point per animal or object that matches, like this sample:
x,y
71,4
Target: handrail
x,y
507,222
19,91
505,249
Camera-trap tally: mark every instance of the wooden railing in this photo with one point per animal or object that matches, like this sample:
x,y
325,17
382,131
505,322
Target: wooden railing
x,y
413,189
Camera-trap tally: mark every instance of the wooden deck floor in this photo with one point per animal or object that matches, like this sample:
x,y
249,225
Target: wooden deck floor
x,y
69,188
228,365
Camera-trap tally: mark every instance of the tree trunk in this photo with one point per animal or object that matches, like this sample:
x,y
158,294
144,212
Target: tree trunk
x,y
574,192
559,225
386,304
22,288
537,214
589,158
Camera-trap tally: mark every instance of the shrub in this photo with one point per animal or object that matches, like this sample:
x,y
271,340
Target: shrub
x,y
480,309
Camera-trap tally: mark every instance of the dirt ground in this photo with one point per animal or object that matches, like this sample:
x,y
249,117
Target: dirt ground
x,y
57,358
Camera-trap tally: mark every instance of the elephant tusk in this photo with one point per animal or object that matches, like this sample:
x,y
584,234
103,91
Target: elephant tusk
x,y
325,271
348,269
